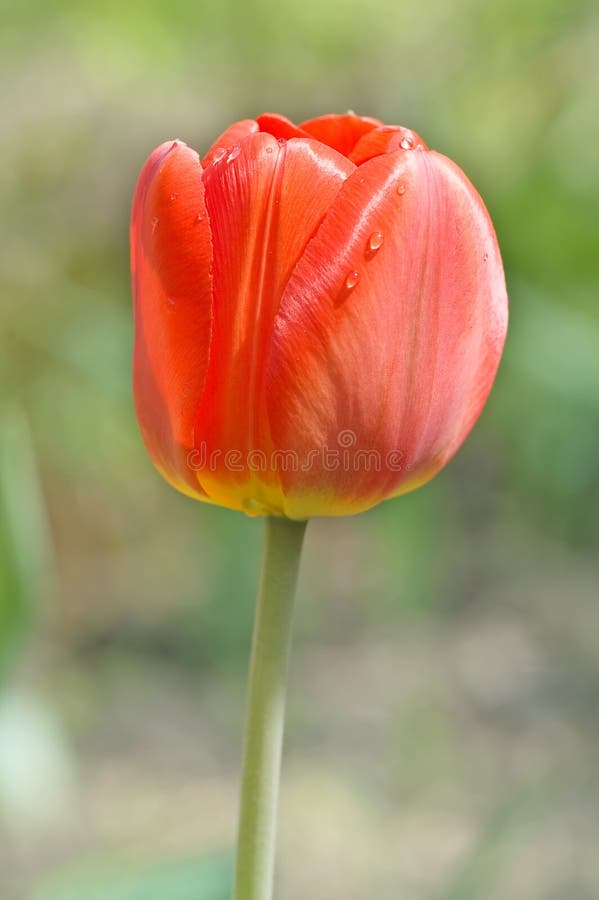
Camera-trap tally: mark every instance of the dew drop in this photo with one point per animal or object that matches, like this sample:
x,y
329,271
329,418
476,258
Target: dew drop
x,y
485,256
401,188
352,280
218,155
173,196
406,143
269,149
200,217
375,241
170,301
234,153
282,141
154,224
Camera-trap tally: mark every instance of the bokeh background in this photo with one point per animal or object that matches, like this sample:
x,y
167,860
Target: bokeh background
x,y
443,724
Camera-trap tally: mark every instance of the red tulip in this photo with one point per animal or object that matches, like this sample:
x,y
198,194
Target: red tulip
x,y
320,311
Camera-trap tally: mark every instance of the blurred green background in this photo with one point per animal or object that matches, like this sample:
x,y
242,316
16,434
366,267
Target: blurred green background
x,y
443,722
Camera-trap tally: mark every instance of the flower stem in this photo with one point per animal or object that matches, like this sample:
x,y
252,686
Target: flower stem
x,y
266,710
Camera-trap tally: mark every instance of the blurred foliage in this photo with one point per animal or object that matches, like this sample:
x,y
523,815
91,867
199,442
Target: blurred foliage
x,y
24,542
191,880
463,616
495,843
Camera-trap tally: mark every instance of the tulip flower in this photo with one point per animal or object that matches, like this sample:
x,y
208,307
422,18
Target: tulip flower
x,y
320,311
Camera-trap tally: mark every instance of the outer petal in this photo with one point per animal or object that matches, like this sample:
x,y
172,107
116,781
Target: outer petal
x,y
385,140
402,363
171,256
340,132
265,201
229,138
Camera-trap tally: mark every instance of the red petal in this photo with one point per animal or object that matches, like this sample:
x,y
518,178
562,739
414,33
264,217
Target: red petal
x,y
264,206
235,134
385,140
340,132
279,126
401,363
170,260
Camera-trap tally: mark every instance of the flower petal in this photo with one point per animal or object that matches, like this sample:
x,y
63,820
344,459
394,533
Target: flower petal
x,y
229,138
280,127
340,132
265,203
388,335
171,256
385,140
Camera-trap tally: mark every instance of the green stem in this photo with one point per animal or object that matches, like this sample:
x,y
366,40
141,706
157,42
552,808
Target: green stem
x,y
266,710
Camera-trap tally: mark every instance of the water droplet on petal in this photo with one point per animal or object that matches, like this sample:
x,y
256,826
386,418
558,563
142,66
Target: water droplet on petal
x,y
200,217
170,301
154,224
218,155
173,196
406,143
401,188
375,241
234,153
269,149
485,256
352,280
282,141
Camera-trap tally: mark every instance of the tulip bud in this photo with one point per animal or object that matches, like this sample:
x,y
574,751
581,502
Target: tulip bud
x,y
320,312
